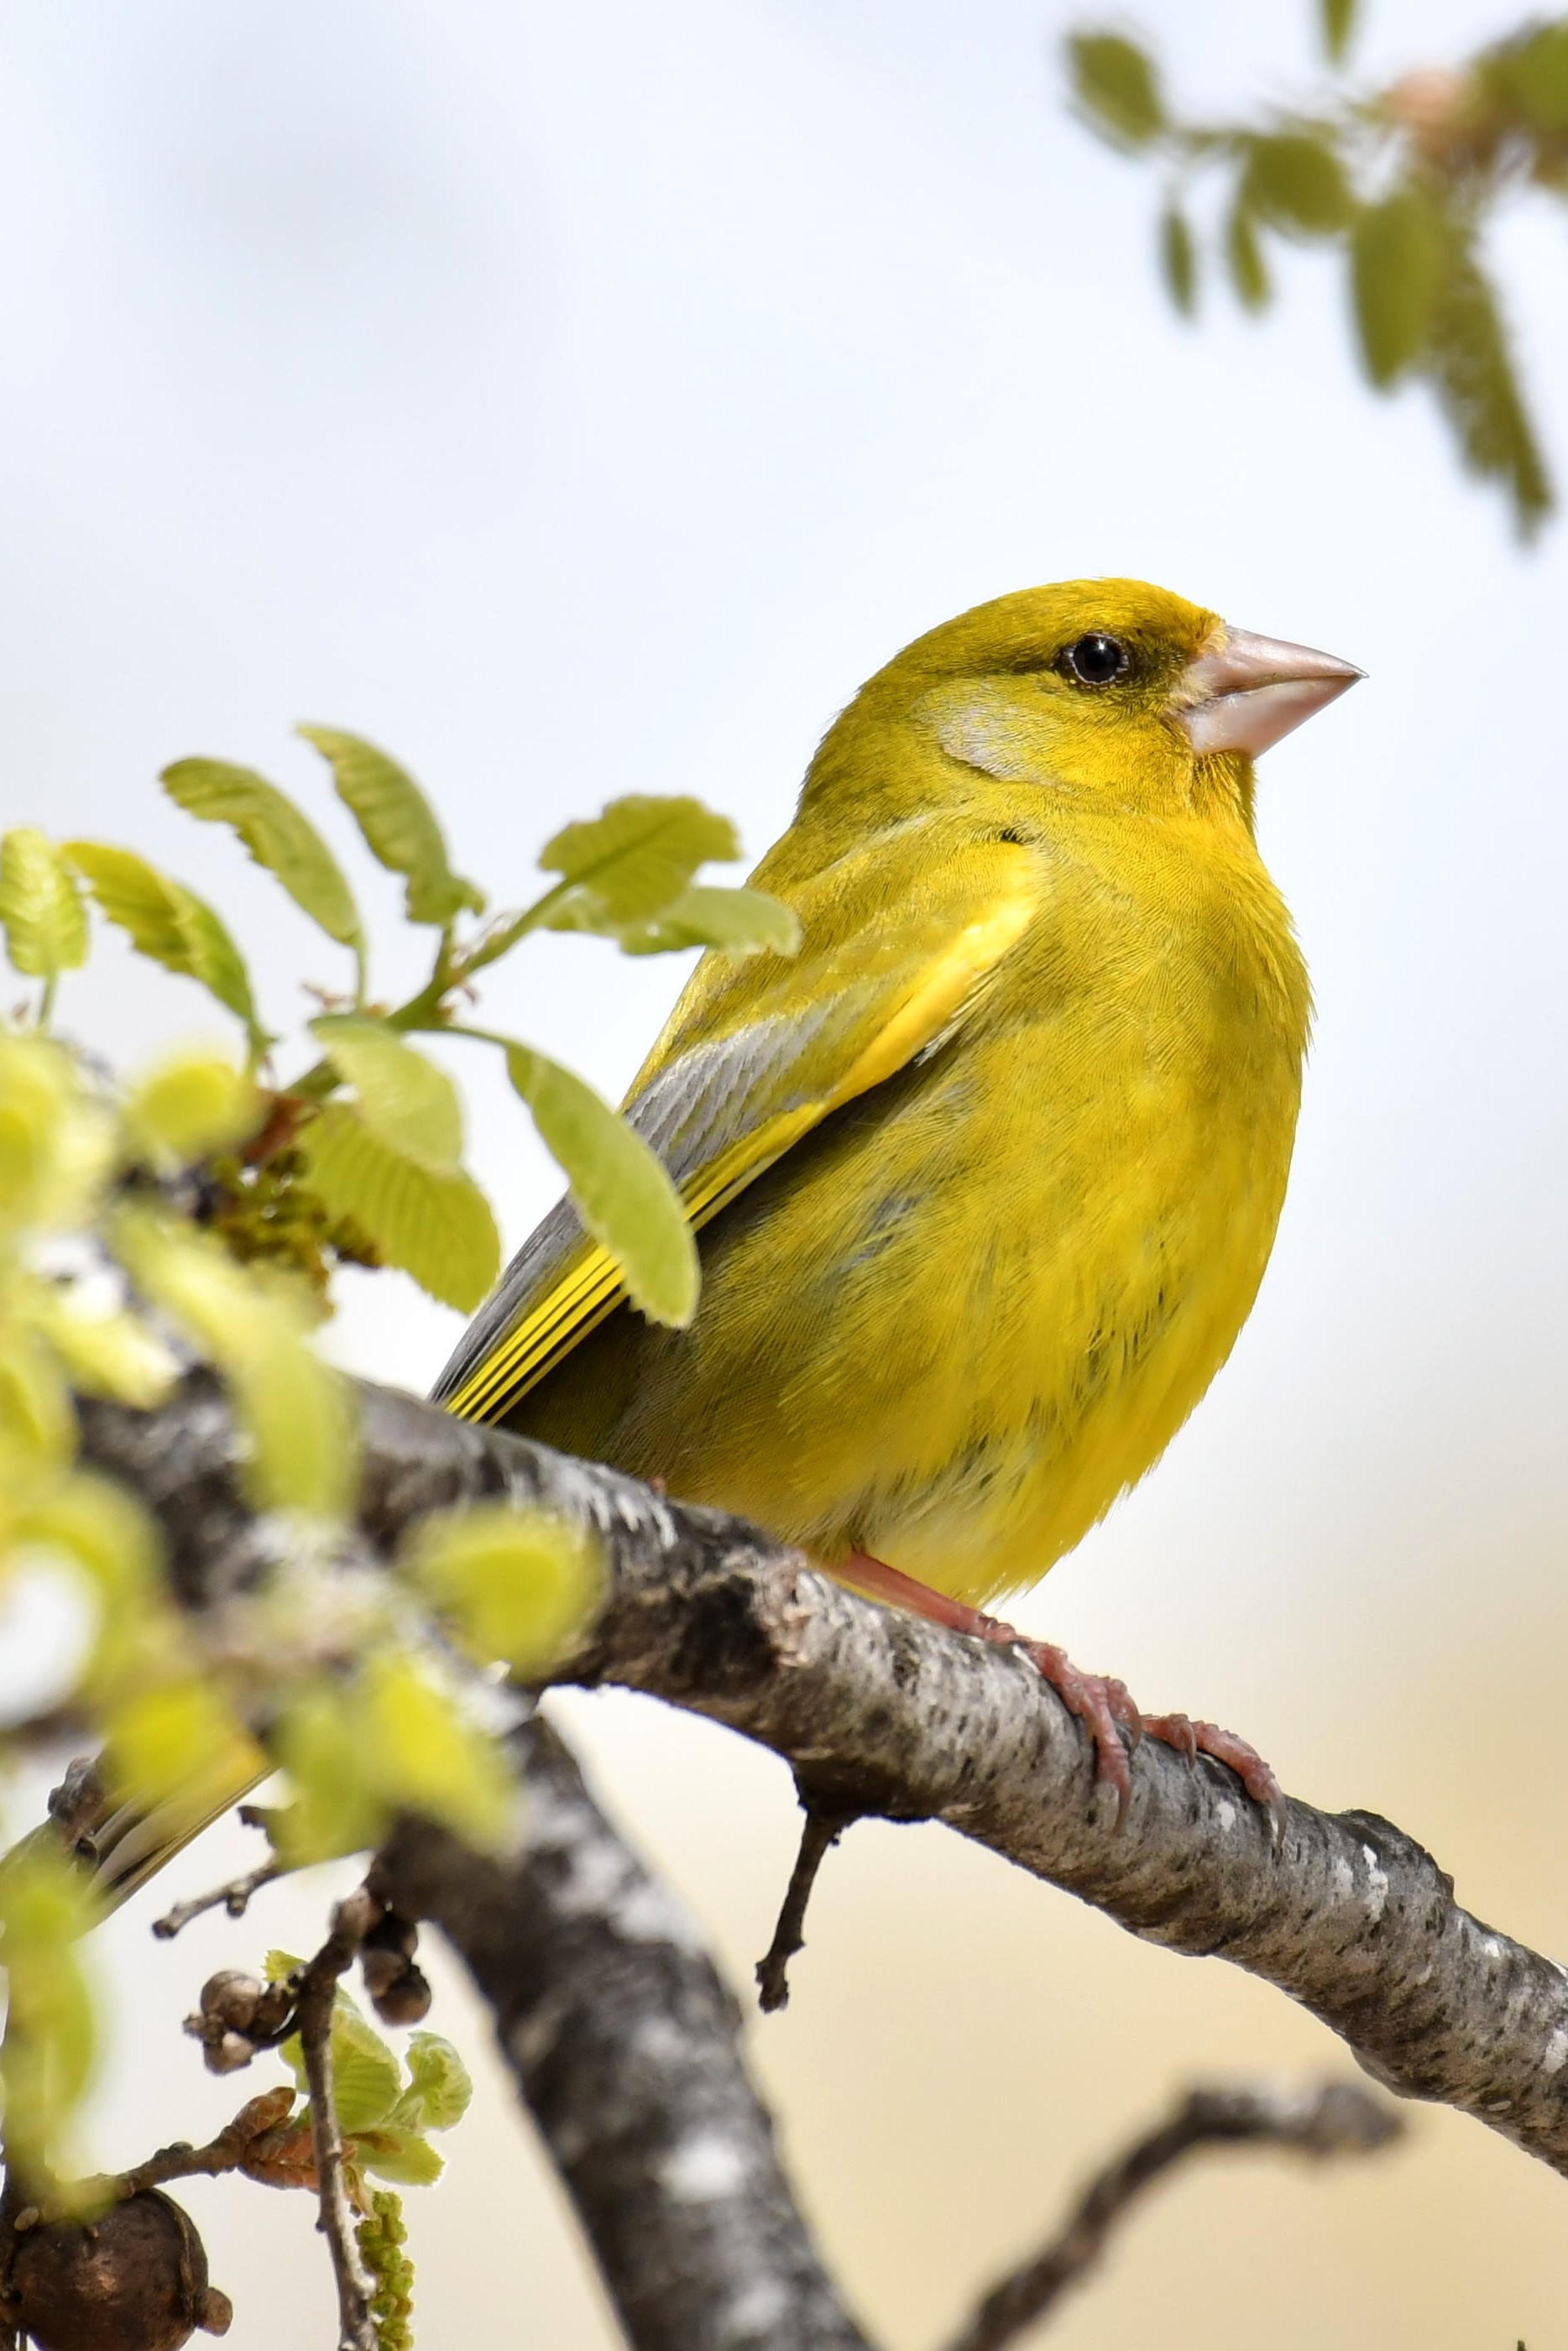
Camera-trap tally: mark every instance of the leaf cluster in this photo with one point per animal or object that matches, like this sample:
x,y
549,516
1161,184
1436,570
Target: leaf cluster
x,y
1402,181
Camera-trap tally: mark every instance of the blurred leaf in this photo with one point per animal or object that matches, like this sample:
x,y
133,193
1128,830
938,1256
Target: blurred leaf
x,y
1396,262
437,1228
103,1530
103,1352
1295,179
38,1427
1468,360
1116,86
1178,260
400,2155
41,910
295,1408
45,2062
57,1142
424,1755
403,1098
1338,22
167,921
518,1584
1528,76
335,1809
169,1744
737,922
188,1107
622,1192
439,2085
627,863
1244,255
399,825
278,836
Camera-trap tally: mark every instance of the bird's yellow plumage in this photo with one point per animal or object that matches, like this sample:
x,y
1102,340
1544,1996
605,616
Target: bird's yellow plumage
x,y
989,1174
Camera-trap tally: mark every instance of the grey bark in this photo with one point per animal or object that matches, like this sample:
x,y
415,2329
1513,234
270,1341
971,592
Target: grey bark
x,y
891,1715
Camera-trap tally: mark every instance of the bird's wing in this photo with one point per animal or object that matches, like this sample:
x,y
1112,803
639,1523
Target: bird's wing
x,y
899,940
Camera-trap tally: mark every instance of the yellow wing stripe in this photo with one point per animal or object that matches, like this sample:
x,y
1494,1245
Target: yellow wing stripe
x,y
591,1286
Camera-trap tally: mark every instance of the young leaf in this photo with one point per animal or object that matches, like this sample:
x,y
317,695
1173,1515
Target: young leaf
x,y
402,2155
437,1226
110,1355
168,923
41,910
277,835
399,825
738,921
1116,88
189,1107
57,1146
1471,369
404,1100
1243,253
169,1744
622,1192
439,2086
1295,179
367,2079
516,1584
424,1754
1178,260
628,862
335,1809
1337,18
46,2061
1396,262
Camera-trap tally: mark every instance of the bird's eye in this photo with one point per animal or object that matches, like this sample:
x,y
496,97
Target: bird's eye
x,y
1095,659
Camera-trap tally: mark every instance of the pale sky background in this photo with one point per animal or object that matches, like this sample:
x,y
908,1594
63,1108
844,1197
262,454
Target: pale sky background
x,y
585,400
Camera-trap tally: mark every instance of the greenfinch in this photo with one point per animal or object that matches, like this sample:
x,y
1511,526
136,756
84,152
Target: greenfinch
x,y
987,1175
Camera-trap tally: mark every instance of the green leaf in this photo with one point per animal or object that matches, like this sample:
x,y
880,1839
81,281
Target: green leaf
x,y
335,1809
104,1353
1244,256
188,1107
403,1098
439,2086
623,1193
1295,181
437,1228
367,2079
1396,265
627,863
57,1146
1528,76
168,923
1337,20
423,1754
517,1584
1116,86
46,2061
398,823
41,909
737,922
278,836
1178,260
169,1743
1468,360
295,1408
399,2155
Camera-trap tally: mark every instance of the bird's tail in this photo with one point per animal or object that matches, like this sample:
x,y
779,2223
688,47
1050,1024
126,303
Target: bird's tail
x,y
120,1844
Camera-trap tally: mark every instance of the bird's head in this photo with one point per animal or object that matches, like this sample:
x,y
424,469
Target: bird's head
x,y
1112,690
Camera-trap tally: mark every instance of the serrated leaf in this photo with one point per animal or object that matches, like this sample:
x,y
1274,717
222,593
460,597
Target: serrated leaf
x,y
622,1192
188,1107
627,863
1294,179
1116,86
1396,263
279,837
440,2085
403,1098
516,1584
45,2060
1470,367
295,1408
437,1228
1244,257
366,2076
1337,20
167,923
1178,260
41,908
399,825
737,922
398,2155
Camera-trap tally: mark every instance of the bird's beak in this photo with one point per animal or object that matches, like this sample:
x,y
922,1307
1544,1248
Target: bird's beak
x,y
1243,693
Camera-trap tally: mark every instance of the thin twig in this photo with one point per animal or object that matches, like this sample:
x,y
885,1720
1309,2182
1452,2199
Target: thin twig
x,y
232,2149
1333,2118
234,1897
820,1831
313,2020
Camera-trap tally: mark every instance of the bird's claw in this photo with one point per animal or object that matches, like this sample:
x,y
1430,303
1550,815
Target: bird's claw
x,y
1102,1705
1195,1739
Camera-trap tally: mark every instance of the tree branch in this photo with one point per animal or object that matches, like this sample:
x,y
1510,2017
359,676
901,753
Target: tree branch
x,y
881,1712
623,2043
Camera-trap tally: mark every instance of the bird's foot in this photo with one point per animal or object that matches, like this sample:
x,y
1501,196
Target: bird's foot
x,y
1195,1739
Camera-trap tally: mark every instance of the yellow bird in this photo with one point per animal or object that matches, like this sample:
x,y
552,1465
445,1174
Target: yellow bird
x,y
987,1175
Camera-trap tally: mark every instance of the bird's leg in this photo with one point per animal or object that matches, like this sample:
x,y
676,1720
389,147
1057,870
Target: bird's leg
x,y
1100,1702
